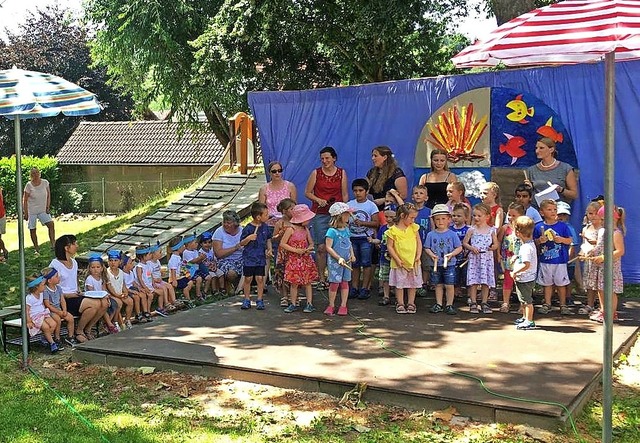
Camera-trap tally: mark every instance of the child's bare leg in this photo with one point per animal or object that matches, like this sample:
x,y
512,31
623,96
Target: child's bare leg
x,y
528,311
355,278
367,273
484,292
344,294
293,294
385,289
450,294
260,285
246,287
400,296
128,307
56,330
71,325
411,296
198,286
309,292
171,292
439,293
47,328
162,296
333,293
473,294
562,294
548,292
187,290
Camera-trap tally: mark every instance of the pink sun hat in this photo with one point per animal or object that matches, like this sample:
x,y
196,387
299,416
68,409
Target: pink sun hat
x,y
301,213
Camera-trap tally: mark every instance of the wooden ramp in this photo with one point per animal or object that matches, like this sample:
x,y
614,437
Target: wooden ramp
x,y
198,211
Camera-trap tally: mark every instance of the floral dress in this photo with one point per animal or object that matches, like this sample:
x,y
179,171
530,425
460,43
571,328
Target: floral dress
x,y
299,269
595,277
480,266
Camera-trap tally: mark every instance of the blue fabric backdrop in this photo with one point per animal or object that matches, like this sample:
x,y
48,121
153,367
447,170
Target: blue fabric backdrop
x,y
295,125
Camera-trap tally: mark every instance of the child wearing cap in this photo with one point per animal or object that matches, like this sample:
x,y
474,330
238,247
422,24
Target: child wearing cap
x,y
97,281
299,268
39,318
178,278
339,257
384,265
575,276
256,242
57,306
214,284
442,245
144,281
192,256
118,290
168,293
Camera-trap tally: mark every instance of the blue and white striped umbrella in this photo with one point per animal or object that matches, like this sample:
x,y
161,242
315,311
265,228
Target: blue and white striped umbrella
x,y
29,94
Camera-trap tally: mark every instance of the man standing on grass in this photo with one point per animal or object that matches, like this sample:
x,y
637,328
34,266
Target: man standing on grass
x,y
36,204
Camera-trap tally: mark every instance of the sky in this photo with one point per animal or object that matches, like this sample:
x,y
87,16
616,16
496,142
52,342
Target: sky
x,y
13,12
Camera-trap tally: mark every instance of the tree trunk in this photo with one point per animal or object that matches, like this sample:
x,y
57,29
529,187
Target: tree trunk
x,y
506,10
218,124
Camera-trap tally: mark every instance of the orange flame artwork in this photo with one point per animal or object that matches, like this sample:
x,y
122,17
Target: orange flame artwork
x,y
457,131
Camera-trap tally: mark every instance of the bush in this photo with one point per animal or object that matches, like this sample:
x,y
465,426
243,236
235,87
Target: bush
x,y
75,200
47,165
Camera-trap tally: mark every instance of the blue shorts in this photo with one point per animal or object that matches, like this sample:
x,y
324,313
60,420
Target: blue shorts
x,y
251,271
319,227
182,283
362,251
337,273
446,276
113,305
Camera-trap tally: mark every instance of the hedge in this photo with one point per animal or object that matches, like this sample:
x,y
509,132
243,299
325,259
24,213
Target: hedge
x,y
48,167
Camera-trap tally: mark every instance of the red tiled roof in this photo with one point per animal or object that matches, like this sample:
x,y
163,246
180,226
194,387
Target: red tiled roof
x,y
143,142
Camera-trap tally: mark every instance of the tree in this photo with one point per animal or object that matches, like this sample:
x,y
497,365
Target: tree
x,y
205,55
506,10
49,41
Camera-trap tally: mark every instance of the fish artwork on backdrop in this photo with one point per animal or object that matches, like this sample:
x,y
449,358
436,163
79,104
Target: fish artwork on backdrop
x,y
520,110
547,130
513,147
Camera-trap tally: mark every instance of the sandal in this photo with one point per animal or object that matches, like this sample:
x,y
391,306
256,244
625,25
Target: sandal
x,y
384,301
504,308
400,309
81,338
411,308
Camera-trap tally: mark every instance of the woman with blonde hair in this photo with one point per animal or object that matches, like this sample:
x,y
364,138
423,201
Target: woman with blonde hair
x,y
385,175
438,178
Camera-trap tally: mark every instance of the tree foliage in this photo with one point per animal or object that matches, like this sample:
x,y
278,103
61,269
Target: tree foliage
x,y
49,41
205,55
506,10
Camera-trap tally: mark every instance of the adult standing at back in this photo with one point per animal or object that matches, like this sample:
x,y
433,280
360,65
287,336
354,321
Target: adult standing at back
x,y
551,171
36,204
438,178
385,176
274,191
326,185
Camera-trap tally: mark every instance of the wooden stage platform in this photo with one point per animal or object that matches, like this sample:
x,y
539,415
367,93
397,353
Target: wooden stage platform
x,y
422,361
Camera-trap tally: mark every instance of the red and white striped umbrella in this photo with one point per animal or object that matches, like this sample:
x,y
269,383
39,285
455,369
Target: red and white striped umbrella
x,y
567,32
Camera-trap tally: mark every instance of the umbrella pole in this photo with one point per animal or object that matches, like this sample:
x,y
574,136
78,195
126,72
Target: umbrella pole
x,y
607,360
23,276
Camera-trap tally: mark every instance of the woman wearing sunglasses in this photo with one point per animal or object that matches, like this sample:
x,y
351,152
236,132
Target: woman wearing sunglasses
x,y
274,191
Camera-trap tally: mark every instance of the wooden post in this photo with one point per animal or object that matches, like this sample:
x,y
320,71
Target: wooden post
x,y
104,200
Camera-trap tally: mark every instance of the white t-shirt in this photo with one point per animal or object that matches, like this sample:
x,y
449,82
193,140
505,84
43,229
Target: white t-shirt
x,y
129,278
533,214
147,278
37,200
528,253
229,241
188,255
116,281
36,304
68,277
93,284
156,268
364,212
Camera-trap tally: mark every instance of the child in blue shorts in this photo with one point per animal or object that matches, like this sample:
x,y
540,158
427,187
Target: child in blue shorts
x,y
442,246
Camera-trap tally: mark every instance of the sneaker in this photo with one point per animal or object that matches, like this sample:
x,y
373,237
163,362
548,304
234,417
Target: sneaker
x,y
342,310
520,320
486,309
473,308
436,308
565,310
147,316
246,304
141,318
71,341
309,308
54,347
597,316
526,325
291,308
450,310
329,311
284,302
364,294
112,329
353,293
128,325
421,292
585,310
570,301
260,305
161,312
544,309
493,295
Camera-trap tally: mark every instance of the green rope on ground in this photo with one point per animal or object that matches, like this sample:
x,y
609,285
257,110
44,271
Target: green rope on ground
x,y
361,330
69,406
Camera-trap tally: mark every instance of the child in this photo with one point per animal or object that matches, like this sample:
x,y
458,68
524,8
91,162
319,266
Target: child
x,y
405,249
589,240
168,293
285,207
443,245
139,303
97,281
363,222
554,238
214,282
299,270
524,266
509,244
423,220
144,281
191,256
339,256
177,274
597,257
380,241
57,306
460,214
575,276
117,289
4,254
38,317
490,194
480,241
524,195
456,194
256,239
